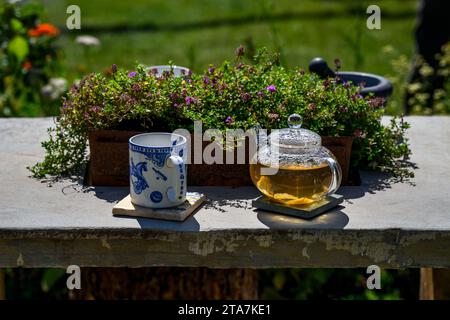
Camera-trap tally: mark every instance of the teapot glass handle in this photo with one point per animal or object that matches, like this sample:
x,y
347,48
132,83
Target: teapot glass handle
x,y
336,176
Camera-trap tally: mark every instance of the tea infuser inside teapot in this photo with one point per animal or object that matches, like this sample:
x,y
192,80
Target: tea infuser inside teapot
x,y
293,168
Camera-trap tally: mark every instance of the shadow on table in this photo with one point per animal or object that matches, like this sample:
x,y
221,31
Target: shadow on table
x,y
372,182
109,194
334,219
220,197
190,224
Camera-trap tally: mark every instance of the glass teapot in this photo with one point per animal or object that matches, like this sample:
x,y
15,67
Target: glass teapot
x,y
294,168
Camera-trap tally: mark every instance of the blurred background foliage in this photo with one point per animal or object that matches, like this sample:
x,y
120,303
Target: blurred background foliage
x,y
35,68
28,60
197,33
338,284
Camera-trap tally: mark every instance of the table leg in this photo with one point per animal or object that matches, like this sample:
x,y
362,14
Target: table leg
x,y
167,283
434,284
2,285
426,284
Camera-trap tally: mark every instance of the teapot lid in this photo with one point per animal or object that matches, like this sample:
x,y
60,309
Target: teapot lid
x,y
295,137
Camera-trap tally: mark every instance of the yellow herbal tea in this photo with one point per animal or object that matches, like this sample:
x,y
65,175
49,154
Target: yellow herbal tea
x,y
293,185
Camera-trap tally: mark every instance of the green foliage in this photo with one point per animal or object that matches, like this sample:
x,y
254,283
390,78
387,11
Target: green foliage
x,y
28,60
303,29
337,284
424,90
424,96
50,278
35,283
66,151
233,95
18,47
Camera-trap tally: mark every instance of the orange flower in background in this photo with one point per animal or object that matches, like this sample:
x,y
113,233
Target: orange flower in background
x,y
42,29
27,65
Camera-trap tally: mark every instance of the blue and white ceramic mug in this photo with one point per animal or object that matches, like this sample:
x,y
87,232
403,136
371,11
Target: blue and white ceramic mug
x,y
158,169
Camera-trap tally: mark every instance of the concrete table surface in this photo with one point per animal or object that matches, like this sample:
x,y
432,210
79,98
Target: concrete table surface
x,y
389,224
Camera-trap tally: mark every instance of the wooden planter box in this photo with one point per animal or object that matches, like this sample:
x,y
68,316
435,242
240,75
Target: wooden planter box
x,y
108,161
341,147
108,165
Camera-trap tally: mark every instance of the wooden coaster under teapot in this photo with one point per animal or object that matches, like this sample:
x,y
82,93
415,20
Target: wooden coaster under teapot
x,y
304,211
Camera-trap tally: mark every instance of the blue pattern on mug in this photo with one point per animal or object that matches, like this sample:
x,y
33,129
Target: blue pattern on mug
x,y
140,184
156,155
159,175
157,170
156,196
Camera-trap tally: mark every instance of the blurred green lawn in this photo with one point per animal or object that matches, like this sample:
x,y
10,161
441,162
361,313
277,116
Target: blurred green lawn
x,y
195,33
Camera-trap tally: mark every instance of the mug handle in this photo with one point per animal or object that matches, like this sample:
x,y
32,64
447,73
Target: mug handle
x,y
177,177
336,175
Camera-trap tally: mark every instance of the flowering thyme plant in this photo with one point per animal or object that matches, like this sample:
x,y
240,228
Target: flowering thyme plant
x,y
231,96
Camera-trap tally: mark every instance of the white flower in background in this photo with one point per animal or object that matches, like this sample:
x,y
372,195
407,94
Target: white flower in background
x,y
87,41
426,70
59,84
388,49
55,88
414,87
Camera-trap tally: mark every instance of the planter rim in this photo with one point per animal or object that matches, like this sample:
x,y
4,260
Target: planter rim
x,y
149,131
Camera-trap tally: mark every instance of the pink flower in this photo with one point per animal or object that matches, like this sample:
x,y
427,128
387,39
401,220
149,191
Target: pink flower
x,y
174,96
246,96
356,96
222,87
271,88
359,134
240,51
229,120
376,102
343,109
190,100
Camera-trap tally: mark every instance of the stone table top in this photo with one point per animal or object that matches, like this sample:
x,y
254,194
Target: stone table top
x,y
380,222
